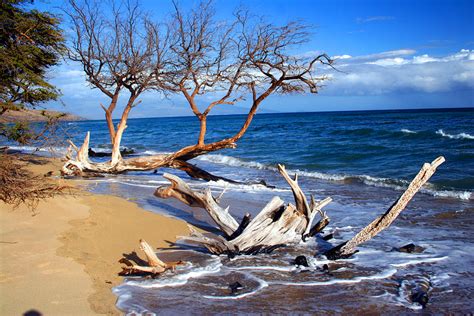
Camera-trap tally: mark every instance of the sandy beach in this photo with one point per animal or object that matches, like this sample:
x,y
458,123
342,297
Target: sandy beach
x,y
63,260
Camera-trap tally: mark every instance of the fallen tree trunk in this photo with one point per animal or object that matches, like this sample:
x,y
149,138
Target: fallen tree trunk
x,y
277,224
135,266
81,164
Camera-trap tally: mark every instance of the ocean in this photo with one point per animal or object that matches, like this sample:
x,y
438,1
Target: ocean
x,y
363,160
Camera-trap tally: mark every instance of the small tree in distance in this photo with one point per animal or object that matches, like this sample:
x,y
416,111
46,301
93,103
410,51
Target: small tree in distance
x,y
193,55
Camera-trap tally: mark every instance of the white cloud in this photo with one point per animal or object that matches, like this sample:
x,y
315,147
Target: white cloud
x,y
389,61
387,54
402,71
341,57
375,18
424,59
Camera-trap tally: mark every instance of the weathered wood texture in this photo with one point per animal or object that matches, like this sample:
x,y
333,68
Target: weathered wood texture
x,y
346,249
82,165
277,224
134,265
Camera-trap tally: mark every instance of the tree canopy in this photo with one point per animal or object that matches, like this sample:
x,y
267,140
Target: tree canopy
x,y
31,42
211,63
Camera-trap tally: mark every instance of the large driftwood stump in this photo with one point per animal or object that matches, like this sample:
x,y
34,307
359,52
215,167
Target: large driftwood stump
x,y
277,224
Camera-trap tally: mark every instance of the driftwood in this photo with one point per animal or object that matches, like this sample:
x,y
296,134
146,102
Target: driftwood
x,y
278,224
81,165
135,266
348,248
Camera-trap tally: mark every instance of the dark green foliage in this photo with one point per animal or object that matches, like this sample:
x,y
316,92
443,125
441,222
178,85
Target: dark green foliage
x,y
19,132
30,43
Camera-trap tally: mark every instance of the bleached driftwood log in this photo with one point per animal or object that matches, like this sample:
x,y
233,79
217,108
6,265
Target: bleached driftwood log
x,y
153,266
348,248
277,224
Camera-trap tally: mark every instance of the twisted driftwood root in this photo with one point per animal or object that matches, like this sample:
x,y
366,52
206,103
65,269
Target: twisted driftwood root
x,y
135,266
277,224
348,248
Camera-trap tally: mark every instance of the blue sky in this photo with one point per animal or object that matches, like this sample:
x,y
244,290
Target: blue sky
x,y
393,55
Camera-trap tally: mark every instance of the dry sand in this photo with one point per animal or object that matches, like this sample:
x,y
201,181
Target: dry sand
x,y
63,261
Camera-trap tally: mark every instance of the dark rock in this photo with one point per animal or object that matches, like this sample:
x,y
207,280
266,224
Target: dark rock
x,y
335,253
420,294
48,174
301,261
328,237
264,183
410,248
420,297
235,287
123,152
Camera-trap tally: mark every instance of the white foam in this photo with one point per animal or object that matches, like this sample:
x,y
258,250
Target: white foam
x,y
265,268
418,261
235,162
407,131
378,276
261,284
32,149
179,279
153,152
251,188
457,136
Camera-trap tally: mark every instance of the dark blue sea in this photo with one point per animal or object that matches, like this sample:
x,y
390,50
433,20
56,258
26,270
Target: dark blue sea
x,y
363,160
379,148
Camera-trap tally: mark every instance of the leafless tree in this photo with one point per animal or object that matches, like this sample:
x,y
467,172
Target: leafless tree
x,y
200,58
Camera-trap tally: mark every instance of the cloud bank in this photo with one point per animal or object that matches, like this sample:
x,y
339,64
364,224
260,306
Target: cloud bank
x,y
392,75
401,71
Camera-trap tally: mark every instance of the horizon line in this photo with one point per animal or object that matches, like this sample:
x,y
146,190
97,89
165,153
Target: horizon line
x,y
297,112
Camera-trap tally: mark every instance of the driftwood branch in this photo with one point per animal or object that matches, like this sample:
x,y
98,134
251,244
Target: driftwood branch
x,y
348,248
134,265
181,191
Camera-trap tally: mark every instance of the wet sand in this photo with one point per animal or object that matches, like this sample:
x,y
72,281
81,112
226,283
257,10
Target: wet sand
x,y
63,260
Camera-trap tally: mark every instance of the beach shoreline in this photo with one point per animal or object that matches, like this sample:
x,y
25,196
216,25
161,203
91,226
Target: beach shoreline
x,y
63,259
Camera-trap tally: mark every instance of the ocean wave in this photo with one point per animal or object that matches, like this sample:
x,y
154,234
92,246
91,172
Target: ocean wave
x,y
457,136
395,184
382,275
234,162
33,149
407,131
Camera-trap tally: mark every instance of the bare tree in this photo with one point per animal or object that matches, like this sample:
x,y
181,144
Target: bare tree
x,y
246,58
